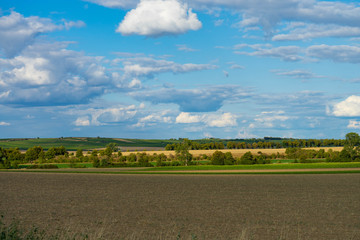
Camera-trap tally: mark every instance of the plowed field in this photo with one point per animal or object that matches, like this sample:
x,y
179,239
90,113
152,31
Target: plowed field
x,y
169,206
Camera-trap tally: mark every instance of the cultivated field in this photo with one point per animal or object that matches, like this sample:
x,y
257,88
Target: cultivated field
x,y
235,152
185,207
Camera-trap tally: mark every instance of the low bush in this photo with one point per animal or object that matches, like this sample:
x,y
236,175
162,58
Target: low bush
x,y
44,166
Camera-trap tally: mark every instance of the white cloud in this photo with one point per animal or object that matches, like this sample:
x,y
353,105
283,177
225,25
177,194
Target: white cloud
x,y
210,120
270,120
156,18
206,99
185,117
224,120
4,124
268,14
354,124
103,116
49,74
115,3
82,121
298,74
350,107
148,67
337,53
185,48
154,118
310,31
244,133
236,66
286,53
17,31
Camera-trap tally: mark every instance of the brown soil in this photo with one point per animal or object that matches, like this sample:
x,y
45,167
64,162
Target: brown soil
x,y
163,207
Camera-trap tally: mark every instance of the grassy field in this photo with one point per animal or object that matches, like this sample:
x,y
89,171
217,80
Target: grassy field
x,y
184,206
293,168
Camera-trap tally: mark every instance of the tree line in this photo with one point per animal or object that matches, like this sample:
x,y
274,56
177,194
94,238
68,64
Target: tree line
x,y
258,144
111,157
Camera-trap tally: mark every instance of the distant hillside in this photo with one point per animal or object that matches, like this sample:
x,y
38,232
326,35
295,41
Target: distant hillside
x,y
74,143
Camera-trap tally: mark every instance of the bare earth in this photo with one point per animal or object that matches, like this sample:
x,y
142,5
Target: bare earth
x,y
166,206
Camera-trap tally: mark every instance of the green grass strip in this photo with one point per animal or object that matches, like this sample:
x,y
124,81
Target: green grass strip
x,y
188,173
259,166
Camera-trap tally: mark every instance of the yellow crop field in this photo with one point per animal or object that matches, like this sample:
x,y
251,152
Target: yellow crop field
x,y
235,152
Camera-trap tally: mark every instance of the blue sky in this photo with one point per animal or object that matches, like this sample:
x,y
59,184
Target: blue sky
x,y
176,68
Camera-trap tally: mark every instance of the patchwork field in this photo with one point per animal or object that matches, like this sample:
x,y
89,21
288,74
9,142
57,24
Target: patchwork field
x,y
185,206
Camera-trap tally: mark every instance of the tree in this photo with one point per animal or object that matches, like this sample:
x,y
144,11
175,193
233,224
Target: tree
x,y
182,151
352,146
229,159
108,151
218,158
247,158
112,146
79,153
33,153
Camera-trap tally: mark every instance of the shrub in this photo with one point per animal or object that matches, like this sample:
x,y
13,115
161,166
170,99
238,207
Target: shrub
x,y
44,166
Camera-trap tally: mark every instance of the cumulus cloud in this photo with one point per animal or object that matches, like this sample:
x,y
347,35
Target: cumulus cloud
x,y
350,107
82,121
154,118
103,116
354,124
156,18
270,120
224,120
210,120
49,74
17,31
268,14
185,117
193,100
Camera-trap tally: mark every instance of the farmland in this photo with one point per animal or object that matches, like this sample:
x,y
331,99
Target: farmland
x,y
185,206
73,143
234,152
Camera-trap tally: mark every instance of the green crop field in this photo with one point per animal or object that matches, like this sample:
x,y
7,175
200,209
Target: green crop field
x,y
74,143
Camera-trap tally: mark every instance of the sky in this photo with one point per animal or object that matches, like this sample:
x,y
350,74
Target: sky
x,y
179,69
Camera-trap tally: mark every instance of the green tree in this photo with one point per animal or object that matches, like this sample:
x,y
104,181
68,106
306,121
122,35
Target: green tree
x,y
95,161
33,153
182,152
112,146
247,158
229,159
218,158
108,151
51,153
79,153
352,146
